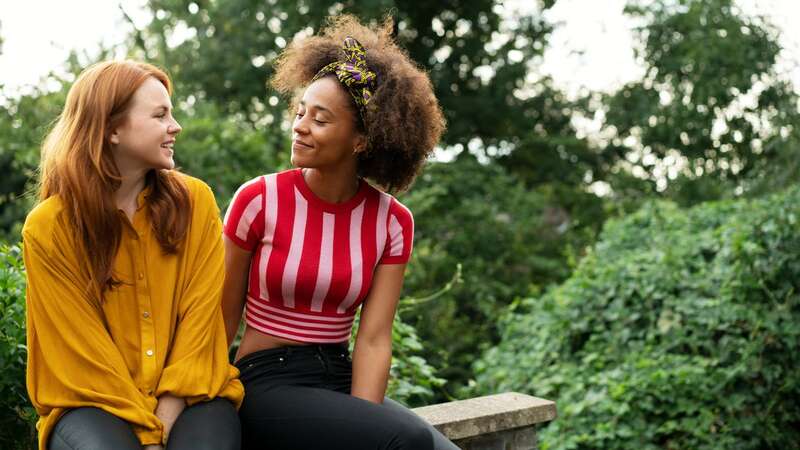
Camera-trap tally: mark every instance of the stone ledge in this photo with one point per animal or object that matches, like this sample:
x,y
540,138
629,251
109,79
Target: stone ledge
x,y
478,416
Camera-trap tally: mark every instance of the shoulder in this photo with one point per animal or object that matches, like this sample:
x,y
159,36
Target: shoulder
x,y
258,185
44,220
197,188
400,211
200,195
253,185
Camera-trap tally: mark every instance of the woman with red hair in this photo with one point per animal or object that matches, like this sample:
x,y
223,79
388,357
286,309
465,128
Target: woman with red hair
x,y
124,260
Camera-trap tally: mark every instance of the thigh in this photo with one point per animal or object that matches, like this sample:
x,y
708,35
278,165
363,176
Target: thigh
x,y
92,429
210,425
300,417
440,442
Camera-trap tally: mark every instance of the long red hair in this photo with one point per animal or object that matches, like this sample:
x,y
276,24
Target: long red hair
x,y
78,166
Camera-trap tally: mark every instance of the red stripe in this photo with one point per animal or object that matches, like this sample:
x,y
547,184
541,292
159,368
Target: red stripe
x,y
368,255
340,278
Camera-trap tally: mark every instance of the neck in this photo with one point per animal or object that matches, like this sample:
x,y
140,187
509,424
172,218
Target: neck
x,y
127,195
332,187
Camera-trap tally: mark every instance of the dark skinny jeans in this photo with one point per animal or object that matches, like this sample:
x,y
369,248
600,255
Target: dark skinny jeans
x,y
204,426
298,397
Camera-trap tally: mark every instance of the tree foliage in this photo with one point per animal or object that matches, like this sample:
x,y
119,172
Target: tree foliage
x,y
713,116
226,58
681,329
23,124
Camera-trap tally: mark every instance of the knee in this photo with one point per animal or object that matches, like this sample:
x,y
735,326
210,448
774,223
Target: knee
x,y
207,426
92,429
412,436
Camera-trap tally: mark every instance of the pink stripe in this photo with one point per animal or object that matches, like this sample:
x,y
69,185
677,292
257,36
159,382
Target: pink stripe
x,y
270,219
294,337
396,231
271,324
295,249
355,259
250,212
380,228
251,302
325,262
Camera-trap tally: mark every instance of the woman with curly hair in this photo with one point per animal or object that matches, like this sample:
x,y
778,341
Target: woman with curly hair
x,y
124,262
306,247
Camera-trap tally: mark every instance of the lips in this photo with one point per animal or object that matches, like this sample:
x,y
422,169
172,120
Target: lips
x,y
300,145
168,144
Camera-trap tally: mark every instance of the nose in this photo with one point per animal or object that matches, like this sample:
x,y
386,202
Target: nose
x,y
299,125
175,127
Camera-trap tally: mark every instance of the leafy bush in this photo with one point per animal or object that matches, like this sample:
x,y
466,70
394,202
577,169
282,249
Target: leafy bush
x,y
412,379
17,417
681,329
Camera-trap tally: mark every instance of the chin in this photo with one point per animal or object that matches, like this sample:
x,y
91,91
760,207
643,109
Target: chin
x,y
299,161
168,164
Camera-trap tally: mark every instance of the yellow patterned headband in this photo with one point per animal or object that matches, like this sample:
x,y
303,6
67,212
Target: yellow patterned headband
x,y
354,74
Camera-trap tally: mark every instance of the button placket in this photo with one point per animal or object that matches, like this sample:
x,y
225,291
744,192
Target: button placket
x,y
147,326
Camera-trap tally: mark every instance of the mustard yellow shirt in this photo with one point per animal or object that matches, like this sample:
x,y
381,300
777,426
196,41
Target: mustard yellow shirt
x,y
160,332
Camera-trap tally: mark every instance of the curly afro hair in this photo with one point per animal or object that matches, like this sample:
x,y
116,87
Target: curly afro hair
x,y
403,119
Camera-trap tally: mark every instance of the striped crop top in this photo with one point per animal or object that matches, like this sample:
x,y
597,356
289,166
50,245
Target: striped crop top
x,y
313,261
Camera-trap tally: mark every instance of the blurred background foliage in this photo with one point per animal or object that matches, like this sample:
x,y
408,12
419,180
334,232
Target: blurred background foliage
x,y
643,276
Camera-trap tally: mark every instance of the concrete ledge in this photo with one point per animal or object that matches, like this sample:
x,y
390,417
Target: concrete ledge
x,y
464,419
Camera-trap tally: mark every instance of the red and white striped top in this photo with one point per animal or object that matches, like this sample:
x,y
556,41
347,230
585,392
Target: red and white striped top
x,y
312,260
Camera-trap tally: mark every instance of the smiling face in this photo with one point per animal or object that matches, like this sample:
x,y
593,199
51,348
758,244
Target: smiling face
x,y
145,139
324,133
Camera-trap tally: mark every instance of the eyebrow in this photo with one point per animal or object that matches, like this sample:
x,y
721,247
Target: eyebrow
x,y
319,107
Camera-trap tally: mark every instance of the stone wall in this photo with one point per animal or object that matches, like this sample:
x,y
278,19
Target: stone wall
x,y
505,421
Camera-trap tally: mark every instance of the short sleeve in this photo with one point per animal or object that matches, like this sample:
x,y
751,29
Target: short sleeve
x,y
400,235
244,220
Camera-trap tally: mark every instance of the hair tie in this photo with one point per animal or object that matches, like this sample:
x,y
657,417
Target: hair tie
x,y
354,74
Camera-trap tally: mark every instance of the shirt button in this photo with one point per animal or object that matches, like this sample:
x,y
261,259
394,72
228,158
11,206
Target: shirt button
x,y
146,314
149,353
141,275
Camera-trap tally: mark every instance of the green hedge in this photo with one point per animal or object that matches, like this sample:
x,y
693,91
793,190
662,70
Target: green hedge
x,y
17,417
681,329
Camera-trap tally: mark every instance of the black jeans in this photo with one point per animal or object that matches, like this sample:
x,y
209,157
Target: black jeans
x,y
210,425
299,398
